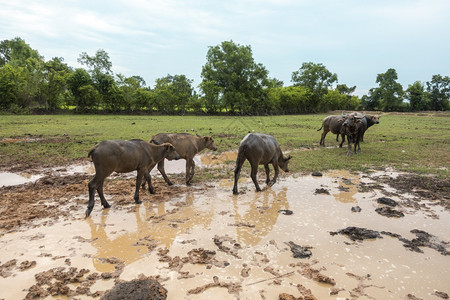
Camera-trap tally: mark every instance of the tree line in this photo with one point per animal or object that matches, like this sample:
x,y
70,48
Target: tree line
x,y
232,83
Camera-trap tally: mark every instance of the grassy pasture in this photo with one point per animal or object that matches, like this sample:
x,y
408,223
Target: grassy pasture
x,y
417,143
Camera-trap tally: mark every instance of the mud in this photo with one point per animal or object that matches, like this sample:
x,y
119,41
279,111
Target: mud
x,y
389,212
203,242
358,234
136,289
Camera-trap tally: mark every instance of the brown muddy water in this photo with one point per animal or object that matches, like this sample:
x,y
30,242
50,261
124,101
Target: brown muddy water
x,y
203,242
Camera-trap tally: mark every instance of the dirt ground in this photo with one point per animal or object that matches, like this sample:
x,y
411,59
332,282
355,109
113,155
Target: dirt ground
x,y
317,241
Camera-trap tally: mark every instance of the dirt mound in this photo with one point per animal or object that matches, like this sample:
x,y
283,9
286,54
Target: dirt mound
x,y
136,289
358,234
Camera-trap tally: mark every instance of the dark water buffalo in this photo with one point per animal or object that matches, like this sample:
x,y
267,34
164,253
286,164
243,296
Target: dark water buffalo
x,y
333,124
187,146
260,149
368,121
123,157
353,129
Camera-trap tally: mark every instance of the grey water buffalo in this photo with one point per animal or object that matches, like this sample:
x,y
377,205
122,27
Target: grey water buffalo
x,y
333,124
123,157
353,129
260,149
187,146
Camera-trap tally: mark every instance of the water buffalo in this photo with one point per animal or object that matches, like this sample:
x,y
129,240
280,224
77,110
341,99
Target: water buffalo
x,y
187,146
333,124
260,149
353,129
368,121
122,157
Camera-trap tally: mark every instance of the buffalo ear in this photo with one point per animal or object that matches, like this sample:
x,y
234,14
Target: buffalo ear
x,y
288,158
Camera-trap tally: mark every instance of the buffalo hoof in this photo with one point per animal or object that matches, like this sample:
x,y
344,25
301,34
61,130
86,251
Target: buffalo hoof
x,y
151,190
169,183
235,192
137,201
107,205
88,212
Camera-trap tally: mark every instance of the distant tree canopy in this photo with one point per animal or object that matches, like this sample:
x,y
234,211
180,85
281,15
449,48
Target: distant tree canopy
x,y
232,83
232,80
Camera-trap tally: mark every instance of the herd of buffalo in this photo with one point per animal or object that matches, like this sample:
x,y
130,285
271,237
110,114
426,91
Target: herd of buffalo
x,y
259,149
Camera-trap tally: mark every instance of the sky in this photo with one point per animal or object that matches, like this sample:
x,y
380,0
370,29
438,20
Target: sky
x,y
354,39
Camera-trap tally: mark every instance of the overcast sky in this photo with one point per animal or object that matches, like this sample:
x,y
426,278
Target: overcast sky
x,y
354,39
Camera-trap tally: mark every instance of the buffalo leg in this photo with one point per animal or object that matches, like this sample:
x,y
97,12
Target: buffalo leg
x,y
357,144
253,176
266,168
163,172
148,179
140,174
349,147
343,140
275,166
96,184
239,162
92,187
322,138
191,172
105,203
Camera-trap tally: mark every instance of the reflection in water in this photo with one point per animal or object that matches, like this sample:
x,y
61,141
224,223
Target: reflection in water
x,y
179,221
210,160
159,224
348,186
260,217
118,247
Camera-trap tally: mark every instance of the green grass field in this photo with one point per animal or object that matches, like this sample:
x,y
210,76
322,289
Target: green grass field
x,y
417,143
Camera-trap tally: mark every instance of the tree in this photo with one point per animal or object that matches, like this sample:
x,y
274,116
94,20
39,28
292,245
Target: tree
x,y
99,63
439,89
99,67
390,92
345,90
129,87
418,97
317,78
17,53
54,82
173,93
76,81
334,100
232,79
11,83
371,101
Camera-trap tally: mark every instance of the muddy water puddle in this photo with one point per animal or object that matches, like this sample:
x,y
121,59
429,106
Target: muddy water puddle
x,y
209,244
171,167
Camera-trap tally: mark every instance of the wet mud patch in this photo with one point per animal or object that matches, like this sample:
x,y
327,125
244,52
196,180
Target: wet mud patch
x,y
204,242
358,234
389,212
421,187
423,239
